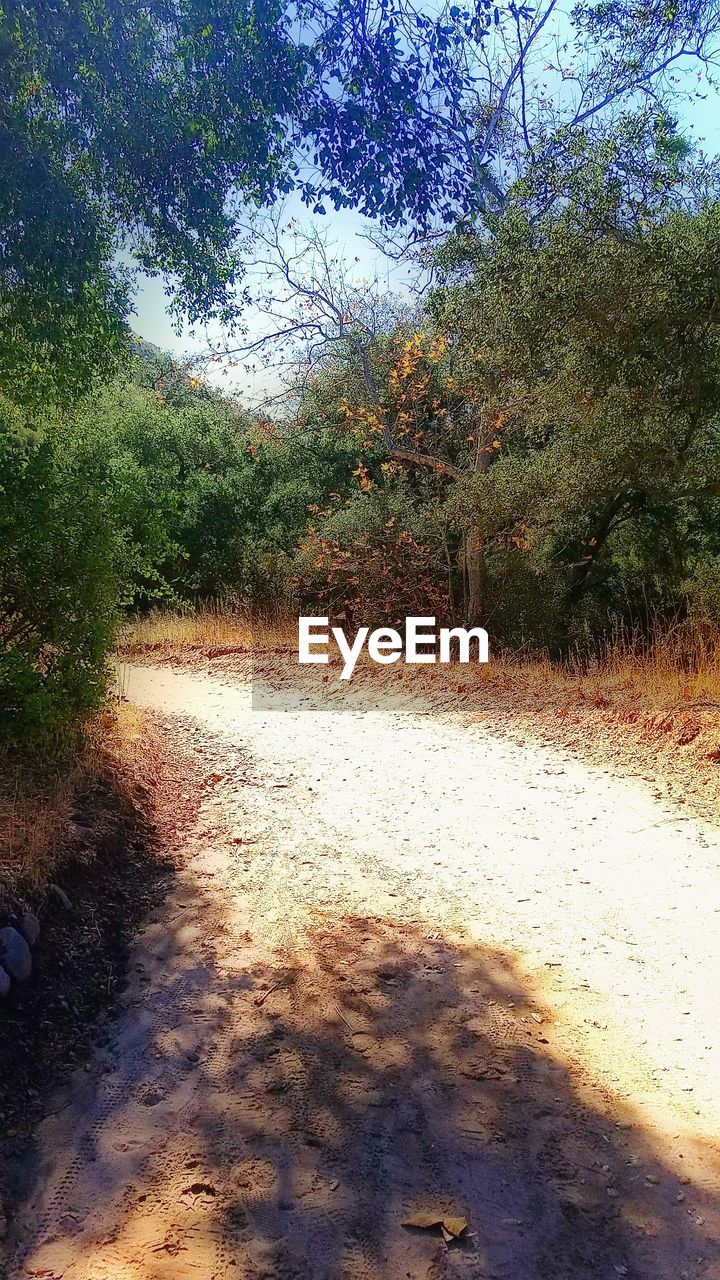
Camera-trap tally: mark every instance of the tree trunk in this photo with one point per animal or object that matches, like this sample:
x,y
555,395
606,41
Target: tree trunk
x,y
474,578
584,568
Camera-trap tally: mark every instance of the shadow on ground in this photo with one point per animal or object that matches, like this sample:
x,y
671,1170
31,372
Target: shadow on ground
x,y
49,1024
282,1117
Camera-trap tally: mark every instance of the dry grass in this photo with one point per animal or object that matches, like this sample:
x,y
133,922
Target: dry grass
x,y
211,629
39,802
678,669
36,808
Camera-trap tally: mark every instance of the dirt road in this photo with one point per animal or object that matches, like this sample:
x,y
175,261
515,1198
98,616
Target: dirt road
x,y
406,965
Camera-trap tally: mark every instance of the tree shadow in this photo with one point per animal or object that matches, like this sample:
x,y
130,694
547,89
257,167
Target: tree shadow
x,y
281,1116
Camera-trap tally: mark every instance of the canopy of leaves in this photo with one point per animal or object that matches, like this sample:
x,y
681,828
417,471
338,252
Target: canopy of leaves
x,y
556,411
148,126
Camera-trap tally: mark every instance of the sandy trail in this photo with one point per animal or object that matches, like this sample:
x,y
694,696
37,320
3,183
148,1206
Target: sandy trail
x,y
406,964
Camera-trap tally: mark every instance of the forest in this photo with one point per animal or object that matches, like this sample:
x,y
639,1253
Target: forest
x,y
532,445
525,437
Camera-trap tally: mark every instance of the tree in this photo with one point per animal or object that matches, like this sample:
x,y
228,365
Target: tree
x,y
205,499
545,75
148,127
556,403
548,87
601,340
362,361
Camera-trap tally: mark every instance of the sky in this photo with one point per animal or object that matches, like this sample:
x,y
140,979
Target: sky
x,y
347,232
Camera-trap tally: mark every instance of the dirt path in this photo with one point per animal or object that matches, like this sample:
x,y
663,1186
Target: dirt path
x,y
406,965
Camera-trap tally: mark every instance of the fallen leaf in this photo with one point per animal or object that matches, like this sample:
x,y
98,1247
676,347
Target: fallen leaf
x,y
452,1227
424,1220
456,1226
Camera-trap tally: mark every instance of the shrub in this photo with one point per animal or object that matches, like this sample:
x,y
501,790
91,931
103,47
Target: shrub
x,y
376,561
58,587
703,593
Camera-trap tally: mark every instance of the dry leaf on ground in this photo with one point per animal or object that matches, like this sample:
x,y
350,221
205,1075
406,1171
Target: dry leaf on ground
x,y
452,1227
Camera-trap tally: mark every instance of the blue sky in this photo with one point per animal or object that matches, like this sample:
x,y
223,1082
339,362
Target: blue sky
x,y
347,230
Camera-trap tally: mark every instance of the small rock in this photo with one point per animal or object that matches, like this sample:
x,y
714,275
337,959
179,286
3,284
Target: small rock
x,y
30,928
59,896
15,954
4,983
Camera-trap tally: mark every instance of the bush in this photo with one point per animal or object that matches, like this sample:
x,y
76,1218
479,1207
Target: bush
x,y
376,560
703,593
58,588
207,502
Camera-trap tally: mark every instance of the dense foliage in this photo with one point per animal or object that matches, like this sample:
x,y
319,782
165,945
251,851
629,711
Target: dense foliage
x,y
152,490
151,126
555,420
597,348
534,445
58,586
207,501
